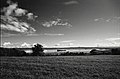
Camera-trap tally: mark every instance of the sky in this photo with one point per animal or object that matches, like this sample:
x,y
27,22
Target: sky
x,y
55,23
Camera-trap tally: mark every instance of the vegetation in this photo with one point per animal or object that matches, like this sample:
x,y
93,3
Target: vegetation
x,y
11,52
113,51
72,53
37,50
61,67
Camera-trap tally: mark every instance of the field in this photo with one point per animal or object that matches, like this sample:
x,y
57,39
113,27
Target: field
x,y
61,67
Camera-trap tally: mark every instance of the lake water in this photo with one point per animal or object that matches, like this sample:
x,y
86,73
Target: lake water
x,y
55,50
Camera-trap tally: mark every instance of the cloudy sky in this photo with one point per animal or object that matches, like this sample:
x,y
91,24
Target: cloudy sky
x,y
60,22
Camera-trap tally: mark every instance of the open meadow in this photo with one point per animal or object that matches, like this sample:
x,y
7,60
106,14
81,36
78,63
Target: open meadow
x,y
61,67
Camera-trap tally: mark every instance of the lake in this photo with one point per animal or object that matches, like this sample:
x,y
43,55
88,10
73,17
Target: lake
x,y
55,50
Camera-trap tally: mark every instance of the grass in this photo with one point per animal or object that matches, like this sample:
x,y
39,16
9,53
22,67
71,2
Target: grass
x,y
61,67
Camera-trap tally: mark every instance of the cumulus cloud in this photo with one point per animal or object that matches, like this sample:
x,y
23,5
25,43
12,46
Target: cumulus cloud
x,y
25,45
57,22
18,45
6,43
31,16
71,2
20,12
9,19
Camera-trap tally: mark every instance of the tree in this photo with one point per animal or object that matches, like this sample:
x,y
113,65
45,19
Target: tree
x,y
115,51
37,50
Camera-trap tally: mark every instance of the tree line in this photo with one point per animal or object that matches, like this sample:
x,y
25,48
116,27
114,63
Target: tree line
x,y
39,51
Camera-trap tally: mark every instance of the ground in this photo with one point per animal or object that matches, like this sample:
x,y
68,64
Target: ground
x,y
61,67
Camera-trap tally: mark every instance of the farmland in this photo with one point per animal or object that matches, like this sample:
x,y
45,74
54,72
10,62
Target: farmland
x,y
61,67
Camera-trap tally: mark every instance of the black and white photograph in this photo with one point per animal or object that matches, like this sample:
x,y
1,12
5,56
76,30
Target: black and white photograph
x,y
59,39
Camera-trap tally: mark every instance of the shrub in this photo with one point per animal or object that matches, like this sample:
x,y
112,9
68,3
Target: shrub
x,y
72,53
11,52
38,50
115,51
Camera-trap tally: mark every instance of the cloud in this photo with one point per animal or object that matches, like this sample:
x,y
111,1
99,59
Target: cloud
x,y
4,34
31,34
67,41
7,34
117,18
109,42
98,19
9,10
71,2
113,19
20,45
31,16
70,44
6,43
20,12
112,39
57,22
44,45
25,45
21,27
66,45
9,19
48,34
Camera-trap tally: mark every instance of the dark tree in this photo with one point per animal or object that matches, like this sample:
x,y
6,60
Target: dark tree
x,y
37,50
115,51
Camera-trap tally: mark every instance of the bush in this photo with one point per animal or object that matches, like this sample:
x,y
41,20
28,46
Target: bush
x,y
99,52
37,50
11,52
72,53
115,51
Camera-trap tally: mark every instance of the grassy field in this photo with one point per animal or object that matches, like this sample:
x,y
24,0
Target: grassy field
x,y
61,67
